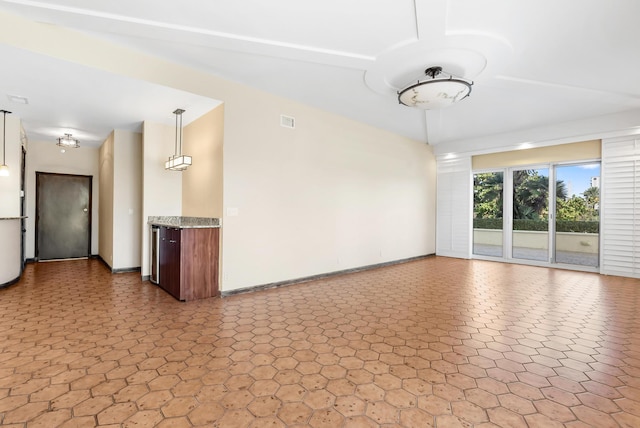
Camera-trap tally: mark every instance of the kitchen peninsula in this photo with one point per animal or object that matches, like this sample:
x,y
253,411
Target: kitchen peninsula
x,y
184,255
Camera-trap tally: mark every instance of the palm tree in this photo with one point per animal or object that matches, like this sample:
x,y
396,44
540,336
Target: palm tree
x,y
592,196
531,194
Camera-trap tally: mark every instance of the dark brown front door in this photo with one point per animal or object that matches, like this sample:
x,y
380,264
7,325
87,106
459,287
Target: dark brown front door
x,y
63,216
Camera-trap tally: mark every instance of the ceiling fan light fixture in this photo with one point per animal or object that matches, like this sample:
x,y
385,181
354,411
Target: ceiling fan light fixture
x,y
67,141
437,91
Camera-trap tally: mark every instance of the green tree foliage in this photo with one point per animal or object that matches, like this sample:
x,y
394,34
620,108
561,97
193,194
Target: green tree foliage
x,y
574,208
578,208
531,196
487,195
592,197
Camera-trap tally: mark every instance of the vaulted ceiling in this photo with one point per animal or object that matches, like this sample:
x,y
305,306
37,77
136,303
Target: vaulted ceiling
x,y
533,63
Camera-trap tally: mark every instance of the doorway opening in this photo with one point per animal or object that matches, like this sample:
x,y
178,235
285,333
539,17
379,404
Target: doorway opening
x,y
63,216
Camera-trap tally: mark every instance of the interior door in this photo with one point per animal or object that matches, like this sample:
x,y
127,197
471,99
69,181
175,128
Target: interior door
x,y
63,216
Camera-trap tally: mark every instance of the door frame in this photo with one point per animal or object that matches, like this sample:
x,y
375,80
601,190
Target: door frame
x,y
552,238
90,211
508,215
23,207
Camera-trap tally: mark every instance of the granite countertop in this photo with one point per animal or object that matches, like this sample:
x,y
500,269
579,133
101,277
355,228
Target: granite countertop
x,y
184,222
13,218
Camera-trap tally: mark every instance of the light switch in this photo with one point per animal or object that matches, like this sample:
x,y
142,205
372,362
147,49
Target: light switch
x,y
232,212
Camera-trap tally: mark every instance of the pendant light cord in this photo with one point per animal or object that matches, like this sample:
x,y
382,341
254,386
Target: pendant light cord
x,y
4,136
178,144
175,147
180,114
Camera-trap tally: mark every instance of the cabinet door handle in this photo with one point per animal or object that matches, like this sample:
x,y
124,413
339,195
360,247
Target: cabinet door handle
x,y
171,241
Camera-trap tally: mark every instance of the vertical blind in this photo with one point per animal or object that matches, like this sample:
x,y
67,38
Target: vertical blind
x,y
620,207
453,217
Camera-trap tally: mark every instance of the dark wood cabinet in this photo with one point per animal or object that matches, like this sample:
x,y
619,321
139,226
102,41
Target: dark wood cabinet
x,y
189,262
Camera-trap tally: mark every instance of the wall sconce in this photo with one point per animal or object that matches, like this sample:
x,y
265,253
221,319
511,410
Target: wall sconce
x,y
4,169
178,162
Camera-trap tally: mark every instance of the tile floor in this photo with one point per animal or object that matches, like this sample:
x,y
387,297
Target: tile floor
x,y
435,342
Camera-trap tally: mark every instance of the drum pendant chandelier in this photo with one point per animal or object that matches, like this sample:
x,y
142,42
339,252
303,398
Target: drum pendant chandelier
x,y
437,91
179,161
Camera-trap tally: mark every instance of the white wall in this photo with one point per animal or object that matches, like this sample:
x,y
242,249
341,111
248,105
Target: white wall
x,y
594,128
9,250
45,156
10,186
127,203
10,201
161,189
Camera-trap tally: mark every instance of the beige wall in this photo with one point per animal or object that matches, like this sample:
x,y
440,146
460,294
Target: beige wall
x,y
330,195
202,182
45,156
106,200
161,189
121,200
127,199
585,150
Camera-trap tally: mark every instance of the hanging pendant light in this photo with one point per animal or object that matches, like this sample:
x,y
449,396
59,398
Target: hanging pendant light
x,y
178,162
4,169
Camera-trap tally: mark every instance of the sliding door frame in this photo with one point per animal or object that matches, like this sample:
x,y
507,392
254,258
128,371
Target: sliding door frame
x,y
507,215
554,165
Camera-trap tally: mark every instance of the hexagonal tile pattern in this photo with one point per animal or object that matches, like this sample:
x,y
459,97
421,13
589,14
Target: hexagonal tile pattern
x,y
432,342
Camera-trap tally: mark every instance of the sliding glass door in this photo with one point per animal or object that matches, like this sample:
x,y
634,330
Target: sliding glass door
x,y
530,230
487,214
519,215
577,216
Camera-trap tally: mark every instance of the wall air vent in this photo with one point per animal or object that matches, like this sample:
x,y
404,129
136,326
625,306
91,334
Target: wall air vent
x,y
287,121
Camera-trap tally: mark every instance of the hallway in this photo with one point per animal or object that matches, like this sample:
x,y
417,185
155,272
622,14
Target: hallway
x,y
435,342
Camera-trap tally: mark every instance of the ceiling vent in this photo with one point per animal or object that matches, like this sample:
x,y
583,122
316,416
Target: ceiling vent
x,y
18,99
287,121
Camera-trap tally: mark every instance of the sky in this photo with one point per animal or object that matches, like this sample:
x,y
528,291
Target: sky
x,y
577,177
